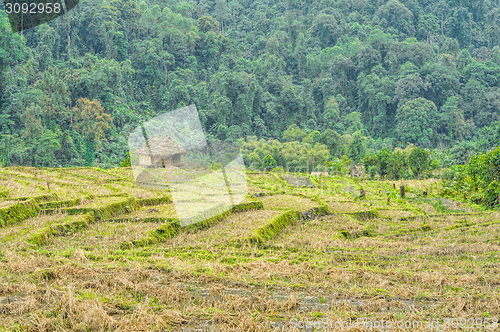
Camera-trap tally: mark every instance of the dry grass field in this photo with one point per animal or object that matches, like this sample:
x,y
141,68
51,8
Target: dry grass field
x,y
87,250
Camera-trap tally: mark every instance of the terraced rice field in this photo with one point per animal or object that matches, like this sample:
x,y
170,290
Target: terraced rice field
x,y
87,250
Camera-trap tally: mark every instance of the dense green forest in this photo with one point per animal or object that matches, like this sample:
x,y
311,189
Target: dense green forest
x,y
368,75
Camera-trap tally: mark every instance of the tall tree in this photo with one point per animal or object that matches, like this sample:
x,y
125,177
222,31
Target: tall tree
x,y
356,148
418,160
91,122
416,121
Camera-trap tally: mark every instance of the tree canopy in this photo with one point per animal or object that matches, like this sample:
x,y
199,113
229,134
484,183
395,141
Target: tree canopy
x,y
392,72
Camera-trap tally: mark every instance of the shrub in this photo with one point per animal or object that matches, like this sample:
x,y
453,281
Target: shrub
x,y
372,171
477,181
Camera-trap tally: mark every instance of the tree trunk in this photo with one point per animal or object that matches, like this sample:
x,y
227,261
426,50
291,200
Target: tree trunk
x,y
69,38
166,74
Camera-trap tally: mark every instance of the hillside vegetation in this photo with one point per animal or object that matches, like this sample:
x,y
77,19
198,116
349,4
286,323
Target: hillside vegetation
x,y
393,72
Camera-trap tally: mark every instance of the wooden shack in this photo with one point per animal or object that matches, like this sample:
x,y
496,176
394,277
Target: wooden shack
x,y
160,151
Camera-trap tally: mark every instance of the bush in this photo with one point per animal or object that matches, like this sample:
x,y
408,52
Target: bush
x,y
477,181
372,171
418,160
435,164
126,162
268,163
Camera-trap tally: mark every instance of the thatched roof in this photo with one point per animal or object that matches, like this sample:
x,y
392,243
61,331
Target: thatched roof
x,y
160,146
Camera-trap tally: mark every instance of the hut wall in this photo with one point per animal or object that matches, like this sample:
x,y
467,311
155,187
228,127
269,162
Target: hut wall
x,y
144,159
167,160
177,159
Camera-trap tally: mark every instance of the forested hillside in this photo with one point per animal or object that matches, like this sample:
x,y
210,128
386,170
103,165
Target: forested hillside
x,y
424,72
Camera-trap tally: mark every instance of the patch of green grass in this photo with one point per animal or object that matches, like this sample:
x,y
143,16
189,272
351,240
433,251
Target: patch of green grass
x,y
18,212
274,226
72,225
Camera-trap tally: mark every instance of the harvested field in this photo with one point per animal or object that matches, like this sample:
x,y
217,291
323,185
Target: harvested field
x,y
111,256
283,202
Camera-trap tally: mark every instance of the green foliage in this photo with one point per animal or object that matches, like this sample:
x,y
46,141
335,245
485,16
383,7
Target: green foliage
x,y
399,163
217,167
356,148
339,166
416,121
418,160
435,164
372,170
452,119
331,114
333,142
268,162
353,122
477,181
293,133
207,23
294,156
396,71
126,162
